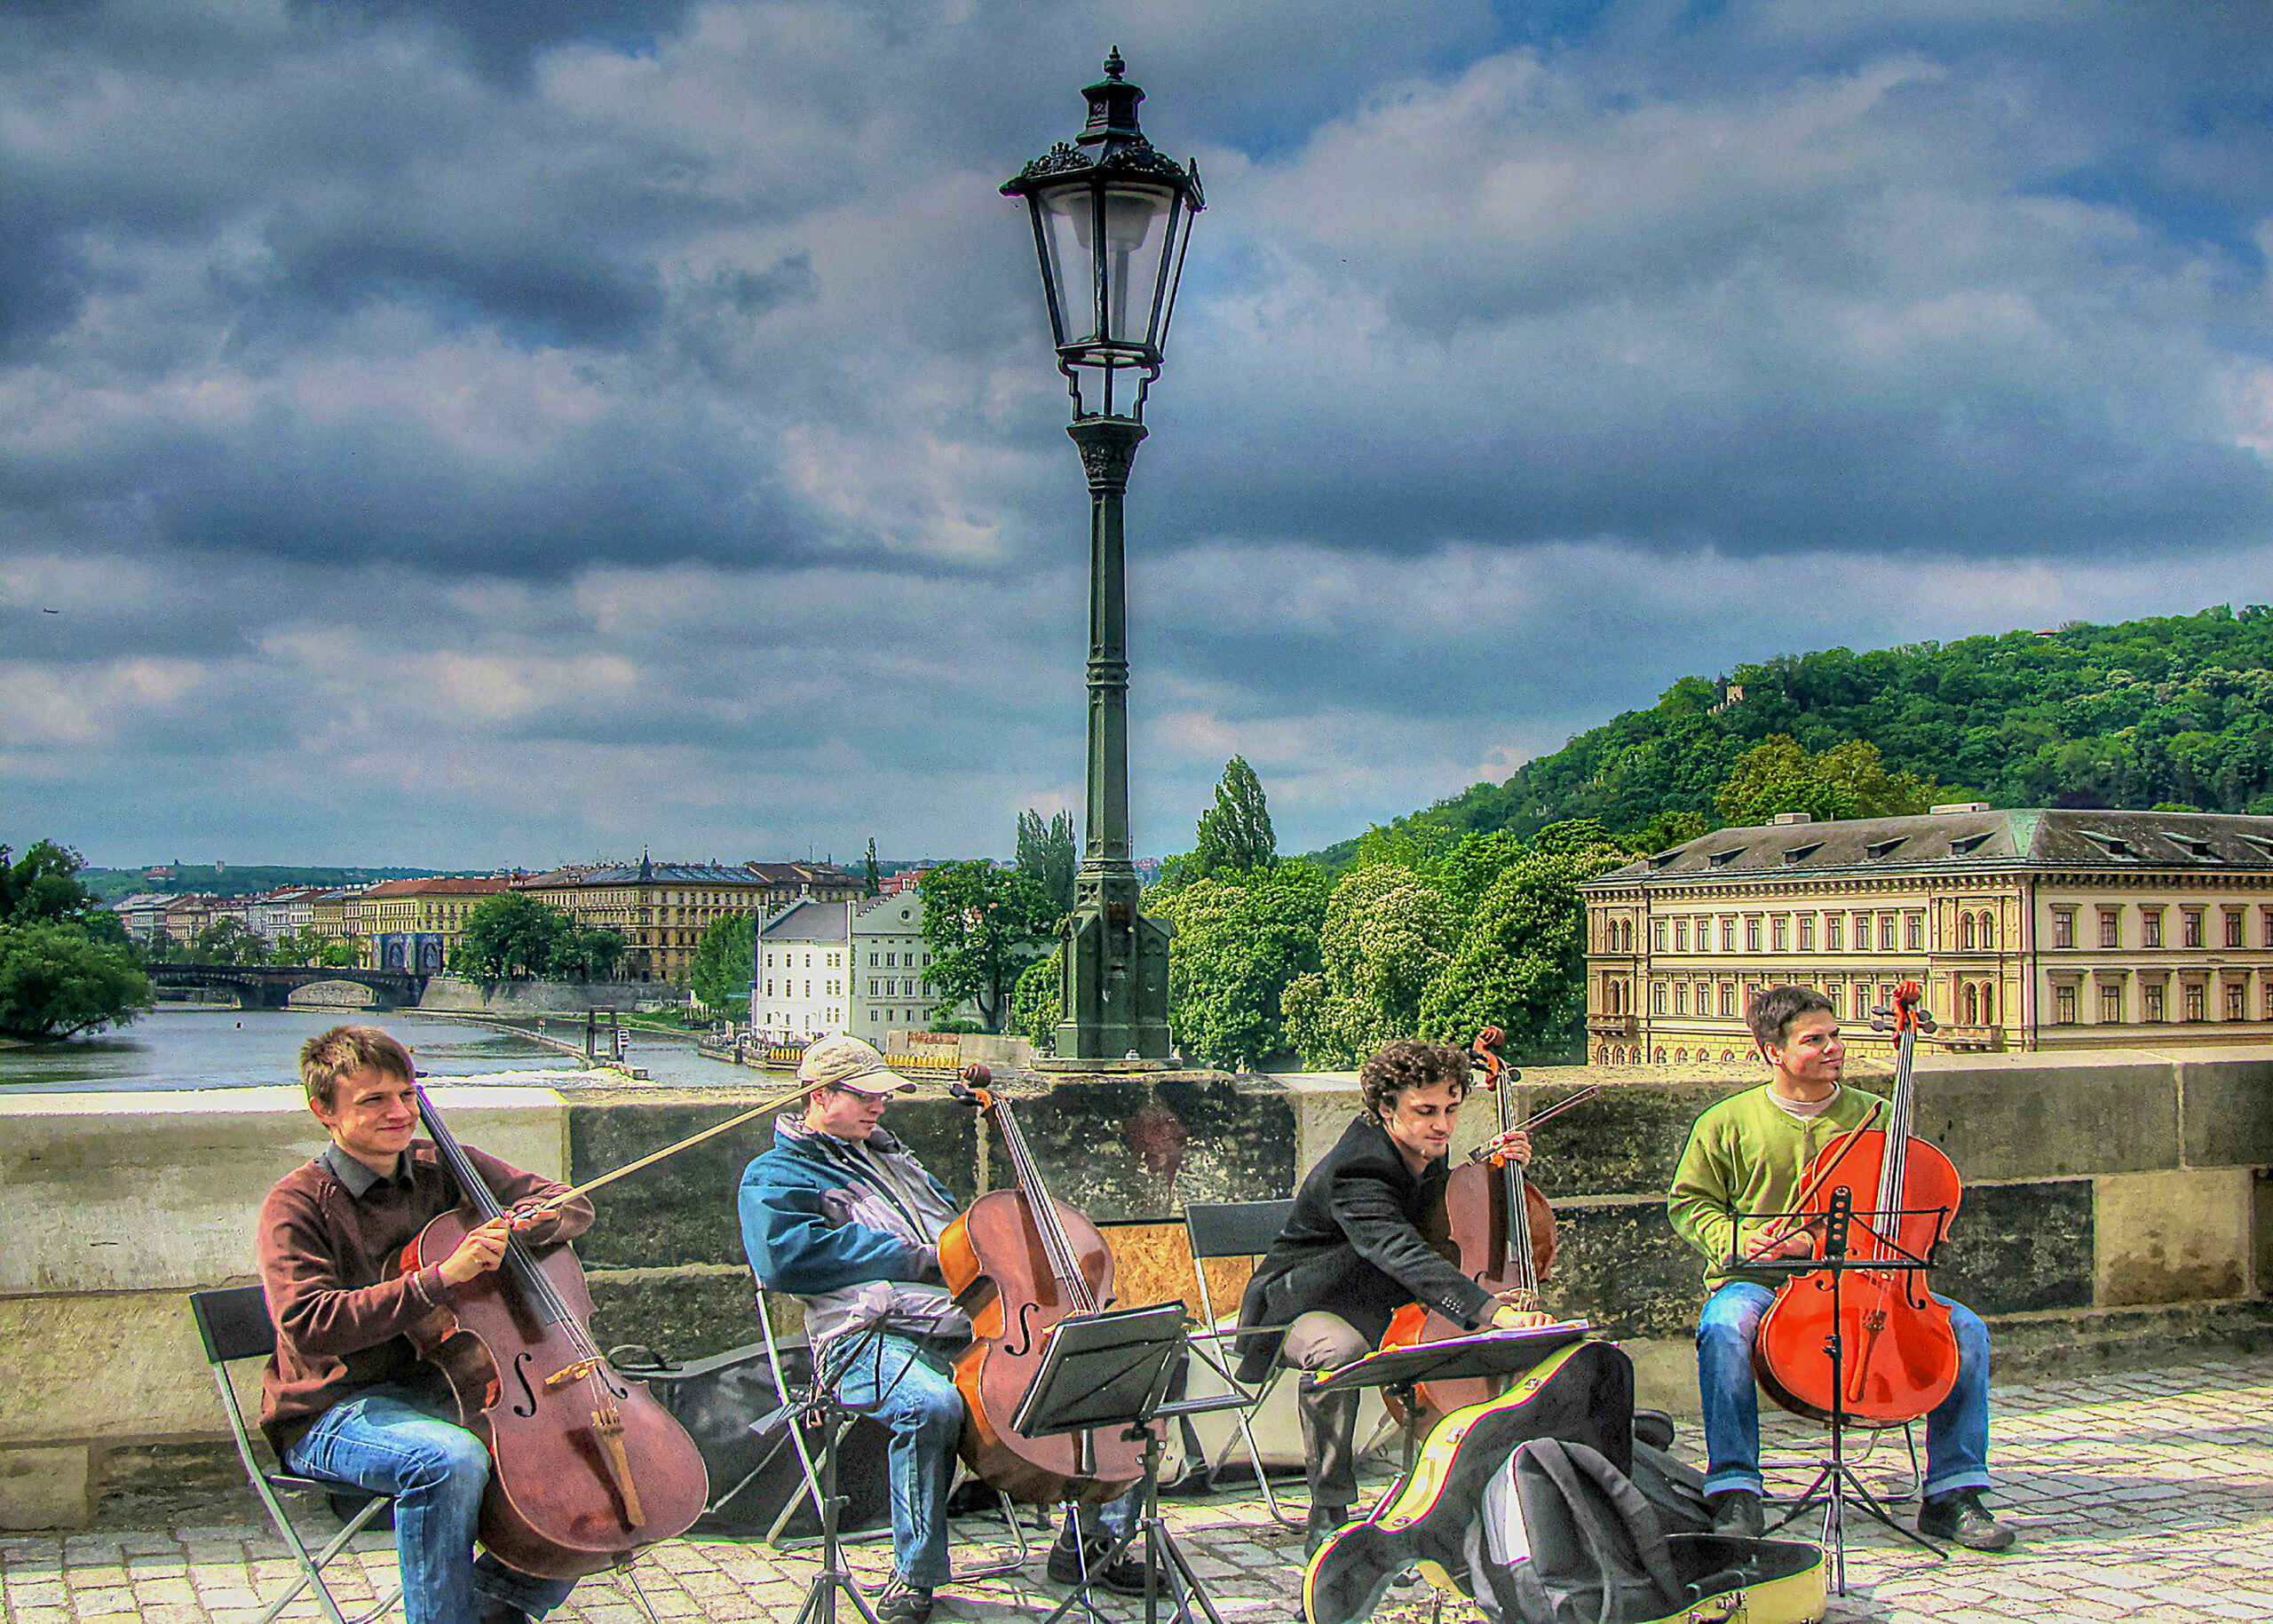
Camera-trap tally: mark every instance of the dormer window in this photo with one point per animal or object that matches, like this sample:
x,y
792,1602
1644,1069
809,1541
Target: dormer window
x,y
1800,854
2114,845
1877,849
2193,846
1663,859
1721,860
1965,843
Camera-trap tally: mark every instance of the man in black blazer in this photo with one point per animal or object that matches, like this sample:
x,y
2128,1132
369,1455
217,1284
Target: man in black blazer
x,y
1354,1252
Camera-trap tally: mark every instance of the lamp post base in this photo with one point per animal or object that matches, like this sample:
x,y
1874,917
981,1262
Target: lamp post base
x,y
1114,972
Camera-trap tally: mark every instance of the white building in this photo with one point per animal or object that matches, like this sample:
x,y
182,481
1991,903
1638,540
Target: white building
x,y
143,914
829,967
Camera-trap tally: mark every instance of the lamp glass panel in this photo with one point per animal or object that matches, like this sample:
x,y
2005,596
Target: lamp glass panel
x,y
1135,240
1065,214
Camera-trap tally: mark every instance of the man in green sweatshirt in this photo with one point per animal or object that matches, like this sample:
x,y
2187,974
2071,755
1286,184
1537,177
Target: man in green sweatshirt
x,y
1745,1162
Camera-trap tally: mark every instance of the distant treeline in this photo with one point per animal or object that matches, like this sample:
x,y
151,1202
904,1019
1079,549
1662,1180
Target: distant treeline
x,y
109,884
2174,711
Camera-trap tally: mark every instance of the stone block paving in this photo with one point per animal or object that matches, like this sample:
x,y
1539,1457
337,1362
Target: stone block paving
x,y
2139,1495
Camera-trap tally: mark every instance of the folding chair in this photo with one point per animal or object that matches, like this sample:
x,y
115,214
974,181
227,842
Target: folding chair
x,y
234,1325
811,1468
1237,1228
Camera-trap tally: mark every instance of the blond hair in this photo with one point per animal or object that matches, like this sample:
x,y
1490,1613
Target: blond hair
x,y
329,1056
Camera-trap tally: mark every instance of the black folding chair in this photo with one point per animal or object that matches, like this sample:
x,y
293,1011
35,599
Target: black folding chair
x,y
1237,1228
234,1325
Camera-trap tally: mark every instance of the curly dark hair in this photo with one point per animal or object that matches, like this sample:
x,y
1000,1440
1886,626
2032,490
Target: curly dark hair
x,y
1774,1008
1408,1063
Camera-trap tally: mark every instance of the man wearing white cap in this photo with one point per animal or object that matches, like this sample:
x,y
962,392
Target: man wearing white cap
x,y
842,1215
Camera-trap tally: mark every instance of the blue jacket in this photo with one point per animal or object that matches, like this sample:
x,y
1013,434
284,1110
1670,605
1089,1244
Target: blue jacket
x,y
853,1231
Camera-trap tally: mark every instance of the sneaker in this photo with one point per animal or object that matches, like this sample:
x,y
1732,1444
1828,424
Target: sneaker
x,y
901,1603
1068,1562
1324,1521
1736,1514
1961,1519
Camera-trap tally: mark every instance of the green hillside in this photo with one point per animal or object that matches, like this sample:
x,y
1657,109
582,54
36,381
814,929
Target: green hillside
x,y
229,880
2172,710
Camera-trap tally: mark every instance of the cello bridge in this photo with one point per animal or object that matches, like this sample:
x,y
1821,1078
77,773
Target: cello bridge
x,y
576,1372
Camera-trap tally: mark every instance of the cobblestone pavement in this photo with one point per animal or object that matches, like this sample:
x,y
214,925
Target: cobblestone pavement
x,y
2136,1496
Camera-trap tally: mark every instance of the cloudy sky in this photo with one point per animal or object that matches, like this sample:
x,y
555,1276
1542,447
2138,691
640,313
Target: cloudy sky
x,y
479,433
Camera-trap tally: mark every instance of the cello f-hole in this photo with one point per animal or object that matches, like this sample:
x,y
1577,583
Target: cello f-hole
x,y
525,1405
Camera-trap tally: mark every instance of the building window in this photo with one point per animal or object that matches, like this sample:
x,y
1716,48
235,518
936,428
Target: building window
x,y
1681,936
1807,933
1657,936
2233,927
2197,998
1656,998
1834,932
2150,927
2064,1006
1913,932
1681,998
1965,932
1779,932
1728,932
1704,936
1886,932
2265,918
2152,1001
2111,928
2234,997
2189,927
1751,934
1727,998
2111,1003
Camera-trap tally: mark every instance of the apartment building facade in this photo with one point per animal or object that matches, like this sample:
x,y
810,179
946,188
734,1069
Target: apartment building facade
x,y
857,967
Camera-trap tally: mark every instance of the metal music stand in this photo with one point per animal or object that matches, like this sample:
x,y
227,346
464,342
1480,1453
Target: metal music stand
x,y
1401,1371
1835,1481
1113,1369
831,1414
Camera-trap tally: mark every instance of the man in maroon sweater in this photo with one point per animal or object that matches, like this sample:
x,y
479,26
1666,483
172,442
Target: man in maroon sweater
x,y
346,1397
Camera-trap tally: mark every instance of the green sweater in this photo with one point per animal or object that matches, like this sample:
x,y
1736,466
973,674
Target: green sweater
x,y
1749,1155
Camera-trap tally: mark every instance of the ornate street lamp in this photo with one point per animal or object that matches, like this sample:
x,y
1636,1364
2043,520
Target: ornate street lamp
x,y
1112,217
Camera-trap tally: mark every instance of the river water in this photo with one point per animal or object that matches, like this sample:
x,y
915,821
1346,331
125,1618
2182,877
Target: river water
x,y
235,1049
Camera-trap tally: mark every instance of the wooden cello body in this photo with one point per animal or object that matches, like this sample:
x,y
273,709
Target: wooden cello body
x,y
1898,1355
1018,1263
586,1468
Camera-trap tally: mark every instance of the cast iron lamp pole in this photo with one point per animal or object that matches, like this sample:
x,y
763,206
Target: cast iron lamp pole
x,y
1111,217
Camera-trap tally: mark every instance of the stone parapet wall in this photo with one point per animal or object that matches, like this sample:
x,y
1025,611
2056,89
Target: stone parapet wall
x,y
2114,1204
460,994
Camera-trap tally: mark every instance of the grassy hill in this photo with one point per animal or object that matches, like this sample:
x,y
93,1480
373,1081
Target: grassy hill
x,y
227,879
2176,710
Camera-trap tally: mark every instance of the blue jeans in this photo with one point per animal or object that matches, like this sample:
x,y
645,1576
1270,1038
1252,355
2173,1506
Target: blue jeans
x,y
391,1440
909,1387
1957,1430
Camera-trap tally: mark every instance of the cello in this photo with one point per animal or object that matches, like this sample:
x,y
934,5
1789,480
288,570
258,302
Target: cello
x,y
586,1467
1018,1263
1500,1230
1899,1353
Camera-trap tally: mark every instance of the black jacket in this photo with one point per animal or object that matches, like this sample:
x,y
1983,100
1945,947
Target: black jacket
x,y
1354,1246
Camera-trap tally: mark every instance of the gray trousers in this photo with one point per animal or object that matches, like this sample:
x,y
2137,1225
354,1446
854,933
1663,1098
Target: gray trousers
x,y
1321,1341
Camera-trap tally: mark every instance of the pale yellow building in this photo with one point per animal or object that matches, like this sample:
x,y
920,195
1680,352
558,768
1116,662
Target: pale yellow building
x,y
415,924
660,910
2044,929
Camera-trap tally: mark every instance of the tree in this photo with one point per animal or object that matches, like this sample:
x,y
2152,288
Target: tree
x,y
43,885
510,937
1235,834
589,953
871,882
1241,938
1049,855
57,982
1039,999
1847,781
302,947
227,941
1668,829
1521,963
1386,933
720,972
338,952
984,926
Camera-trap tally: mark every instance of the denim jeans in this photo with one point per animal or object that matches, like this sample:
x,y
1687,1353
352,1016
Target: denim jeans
x,y
1957,1428
390,1439
910,1388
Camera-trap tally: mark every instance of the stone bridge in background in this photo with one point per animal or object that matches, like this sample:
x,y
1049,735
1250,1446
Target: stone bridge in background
x,y
269,986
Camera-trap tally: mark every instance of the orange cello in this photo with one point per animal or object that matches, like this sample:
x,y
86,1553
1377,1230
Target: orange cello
x,y
1500,1230
1897,1350
1018,1263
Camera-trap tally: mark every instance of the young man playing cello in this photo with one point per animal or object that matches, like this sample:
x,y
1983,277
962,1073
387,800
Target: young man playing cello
x,y
1354,1252
841,1215
346,1397
1744,1161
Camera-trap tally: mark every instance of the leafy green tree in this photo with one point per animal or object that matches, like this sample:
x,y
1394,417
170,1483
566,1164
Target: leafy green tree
x,y
1521,964
1038,999
1242,936
227,941
720,972
1668,829
871,882
1235,834
510,937
984,926
43,886
302,947
589,953
57,982
1847,781
1049,855
1386,933
336,953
